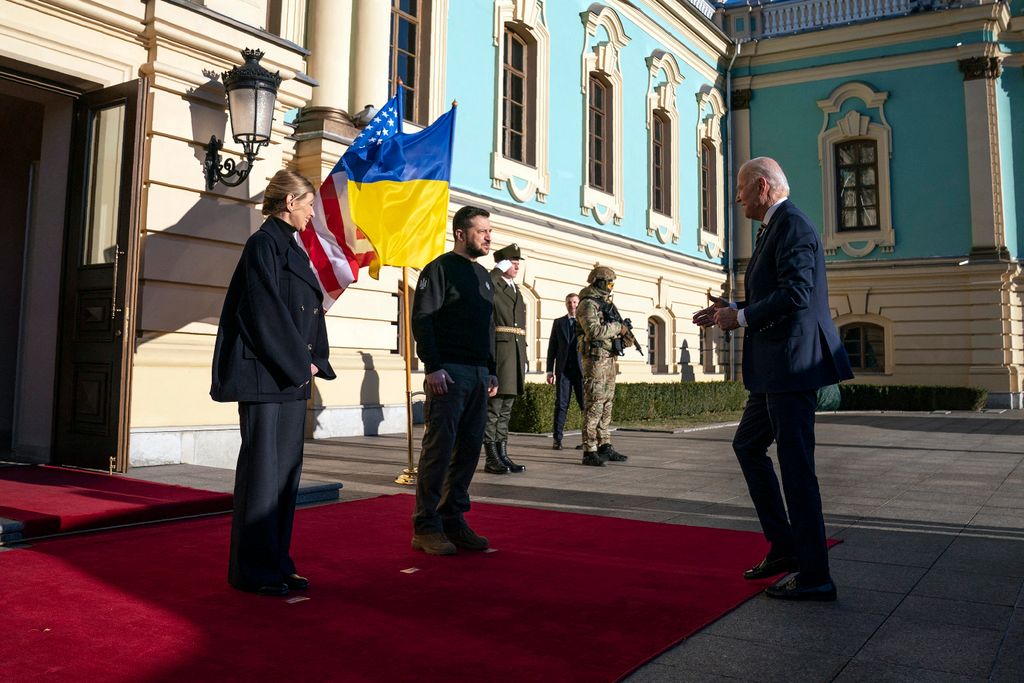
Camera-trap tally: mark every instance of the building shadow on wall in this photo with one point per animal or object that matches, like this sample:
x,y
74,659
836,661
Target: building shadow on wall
x,y
685,367
369,397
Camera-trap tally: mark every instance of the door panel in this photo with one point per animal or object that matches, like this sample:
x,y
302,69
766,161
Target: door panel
x,y
100,279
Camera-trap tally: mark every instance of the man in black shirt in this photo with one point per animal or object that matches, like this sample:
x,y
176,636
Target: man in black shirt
x,y
452,321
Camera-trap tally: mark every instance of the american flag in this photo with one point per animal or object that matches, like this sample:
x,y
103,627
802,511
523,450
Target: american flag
x,y
336,246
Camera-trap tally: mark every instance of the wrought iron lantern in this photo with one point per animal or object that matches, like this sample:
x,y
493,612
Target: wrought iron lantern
x,y
251,92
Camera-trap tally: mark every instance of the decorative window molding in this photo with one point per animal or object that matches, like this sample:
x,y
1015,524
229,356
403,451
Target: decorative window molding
x,y
601,56
524,181
868,340
855,124
663,79
710,110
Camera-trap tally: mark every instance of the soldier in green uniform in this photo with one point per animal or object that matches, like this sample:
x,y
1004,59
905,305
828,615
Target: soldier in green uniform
x,y
601,342
509,357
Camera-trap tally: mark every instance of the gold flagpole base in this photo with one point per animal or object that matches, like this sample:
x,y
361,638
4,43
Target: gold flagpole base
x,y
407,477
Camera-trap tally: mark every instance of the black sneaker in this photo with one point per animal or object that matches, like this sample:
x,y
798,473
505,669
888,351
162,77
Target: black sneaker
x,y
608,453
467,539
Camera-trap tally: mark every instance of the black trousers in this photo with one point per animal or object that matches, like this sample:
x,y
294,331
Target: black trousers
x,y
788,420
266,485
453,432
565,386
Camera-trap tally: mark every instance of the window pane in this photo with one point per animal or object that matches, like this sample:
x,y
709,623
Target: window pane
x,y
515,118
868,218
867,153
409,6
850,219
846,154
405,67
104,186
867,177
874,347
516,89
869,197
406,36
849,198
847,178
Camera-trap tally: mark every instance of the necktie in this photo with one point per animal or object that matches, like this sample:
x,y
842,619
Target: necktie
x,y
760,232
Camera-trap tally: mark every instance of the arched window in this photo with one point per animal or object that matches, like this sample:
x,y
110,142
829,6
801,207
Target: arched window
x,y
409,58
661,163
600,132
857,185
518,96
708,187
656,345
865,345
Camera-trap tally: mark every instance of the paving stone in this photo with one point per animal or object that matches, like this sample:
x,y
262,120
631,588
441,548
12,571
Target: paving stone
x,y
940,647
823,627
874,575
956,612
891,547
983,555
866,671
969,586
742,659
659,673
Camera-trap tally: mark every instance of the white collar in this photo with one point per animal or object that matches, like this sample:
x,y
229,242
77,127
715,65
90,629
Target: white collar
x,y
771,211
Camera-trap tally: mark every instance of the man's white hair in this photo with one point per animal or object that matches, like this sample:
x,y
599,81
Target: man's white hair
x,y
769,169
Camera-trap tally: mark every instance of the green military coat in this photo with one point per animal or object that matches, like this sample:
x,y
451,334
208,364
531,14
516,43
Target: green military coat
x,y
509,346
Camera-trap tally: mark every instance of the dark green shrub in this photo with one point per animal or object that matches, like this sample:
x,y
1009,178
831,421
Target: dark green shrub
x,y
910,397
534,410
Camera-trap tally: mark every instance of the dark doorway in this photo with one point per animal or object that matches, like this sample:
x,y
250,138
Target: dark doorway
x,y
19,169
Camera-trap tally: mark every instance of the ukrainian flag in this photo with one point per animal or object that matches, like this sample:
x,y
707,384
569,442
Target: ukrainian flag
x,y
398,187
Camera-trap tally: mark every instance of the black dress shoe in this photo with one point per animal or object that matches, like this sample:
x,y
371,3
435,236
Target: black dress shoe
x,y
296,582
272,589
556,446
771,567
792,590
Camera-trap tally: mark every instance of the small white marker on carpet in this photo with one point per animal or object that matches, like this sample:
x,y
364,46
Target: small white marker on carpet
x,y
292,601
410,570
491,550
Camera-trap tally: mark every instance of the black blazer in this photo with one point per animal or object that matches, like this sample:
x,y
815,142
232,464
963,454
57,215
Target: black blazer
x,y
790,342
561,343
272,325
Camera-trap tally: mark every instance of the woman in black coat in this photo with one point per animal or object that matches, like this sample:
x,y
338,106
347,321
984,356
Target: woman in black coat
x,y
272,340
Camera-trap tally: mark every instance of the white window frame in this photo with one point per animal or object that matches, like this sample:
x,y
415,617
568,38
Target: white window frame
x,y
524,182
603,58
855,125
888,336
663,79
710,110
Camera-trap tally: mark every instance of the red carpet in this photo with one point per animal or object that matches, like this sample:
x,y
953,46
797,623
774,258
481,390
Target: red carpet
x,y
565,597
50,500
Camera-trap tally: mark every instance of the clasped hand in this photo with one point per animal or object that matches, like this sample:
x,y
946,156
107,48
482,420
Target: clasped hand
x,y
718,313
439,381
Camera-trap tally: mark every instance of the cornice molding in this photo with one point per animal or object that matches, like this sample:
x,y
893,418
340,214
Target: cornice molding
x,y
976,68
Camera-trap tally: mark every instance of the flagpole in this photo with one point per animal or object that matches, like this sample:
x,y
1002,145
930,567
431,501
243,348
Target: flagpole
x,y
408,475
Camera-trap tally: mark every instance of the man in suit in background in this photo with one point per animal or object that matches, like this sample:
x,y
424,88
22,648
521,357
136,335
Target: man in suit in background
x,y
565,368
509,356
790,349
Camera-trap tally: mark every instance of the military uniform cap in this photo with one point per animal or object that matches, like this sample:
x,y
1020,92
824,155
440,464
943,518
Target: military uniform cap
x,y
600,273
509,253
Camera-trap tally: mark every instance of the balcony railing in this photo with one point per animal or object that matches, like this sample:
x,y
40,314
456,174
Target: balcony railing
x,y
704,7
790,17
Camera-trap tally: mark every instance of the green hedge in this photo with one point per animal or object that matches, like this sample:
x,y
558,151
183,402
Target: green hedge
x,y
534,410
910,397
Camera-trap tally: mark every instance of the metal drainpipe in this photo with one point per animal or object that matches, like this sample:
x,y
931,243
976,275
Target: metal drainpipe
x,y
730,193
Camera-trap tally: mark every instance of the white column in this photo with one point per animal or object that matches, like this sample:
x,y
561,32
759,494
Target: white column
x,y
371,32
985,178
742,227
330,46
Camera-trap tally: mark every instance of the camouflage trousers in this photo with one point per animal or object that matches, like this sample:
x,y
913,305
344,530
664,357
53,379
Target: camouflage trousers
x,y
598,396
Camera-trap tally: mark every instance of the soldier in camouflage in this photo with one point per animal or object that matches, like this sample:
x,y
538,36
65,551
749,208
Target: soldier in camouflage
x,y
601,341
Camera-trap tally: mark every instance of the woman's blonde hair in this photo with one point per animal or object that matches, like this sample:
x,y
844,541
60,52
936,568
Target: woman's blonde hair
x,y
284,183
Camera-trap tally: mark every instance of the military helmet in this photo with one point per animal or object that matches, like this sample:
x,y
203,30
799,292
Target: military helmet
x,y
600,273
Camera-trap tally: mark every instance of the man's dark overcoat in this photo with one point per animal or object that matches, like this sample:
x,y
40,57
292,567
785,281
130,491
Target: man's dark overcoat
x,y
272,326
509,347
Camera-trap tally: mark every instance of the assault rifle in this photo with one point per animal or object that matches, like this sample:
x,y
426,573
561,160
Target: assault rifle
x,y
611,314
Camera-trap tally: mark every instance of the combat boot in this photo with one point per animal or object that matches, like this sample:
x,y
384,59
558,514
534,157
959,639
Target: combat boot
x,y
608,453
507,461
593,459
492,463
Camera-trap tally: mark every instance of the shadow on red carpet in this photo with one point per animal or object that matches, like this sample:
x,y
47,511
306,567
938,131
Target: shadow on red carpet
x,y
50,500
563,597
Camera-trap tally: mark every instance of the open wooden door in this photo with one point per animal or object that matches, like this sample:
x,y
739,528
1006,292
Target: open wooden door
x,y
100,280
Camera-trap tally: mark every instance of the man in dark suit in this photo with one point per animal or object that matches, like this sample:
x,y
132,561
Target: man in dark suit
x,y
509,359
565,368
790,349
